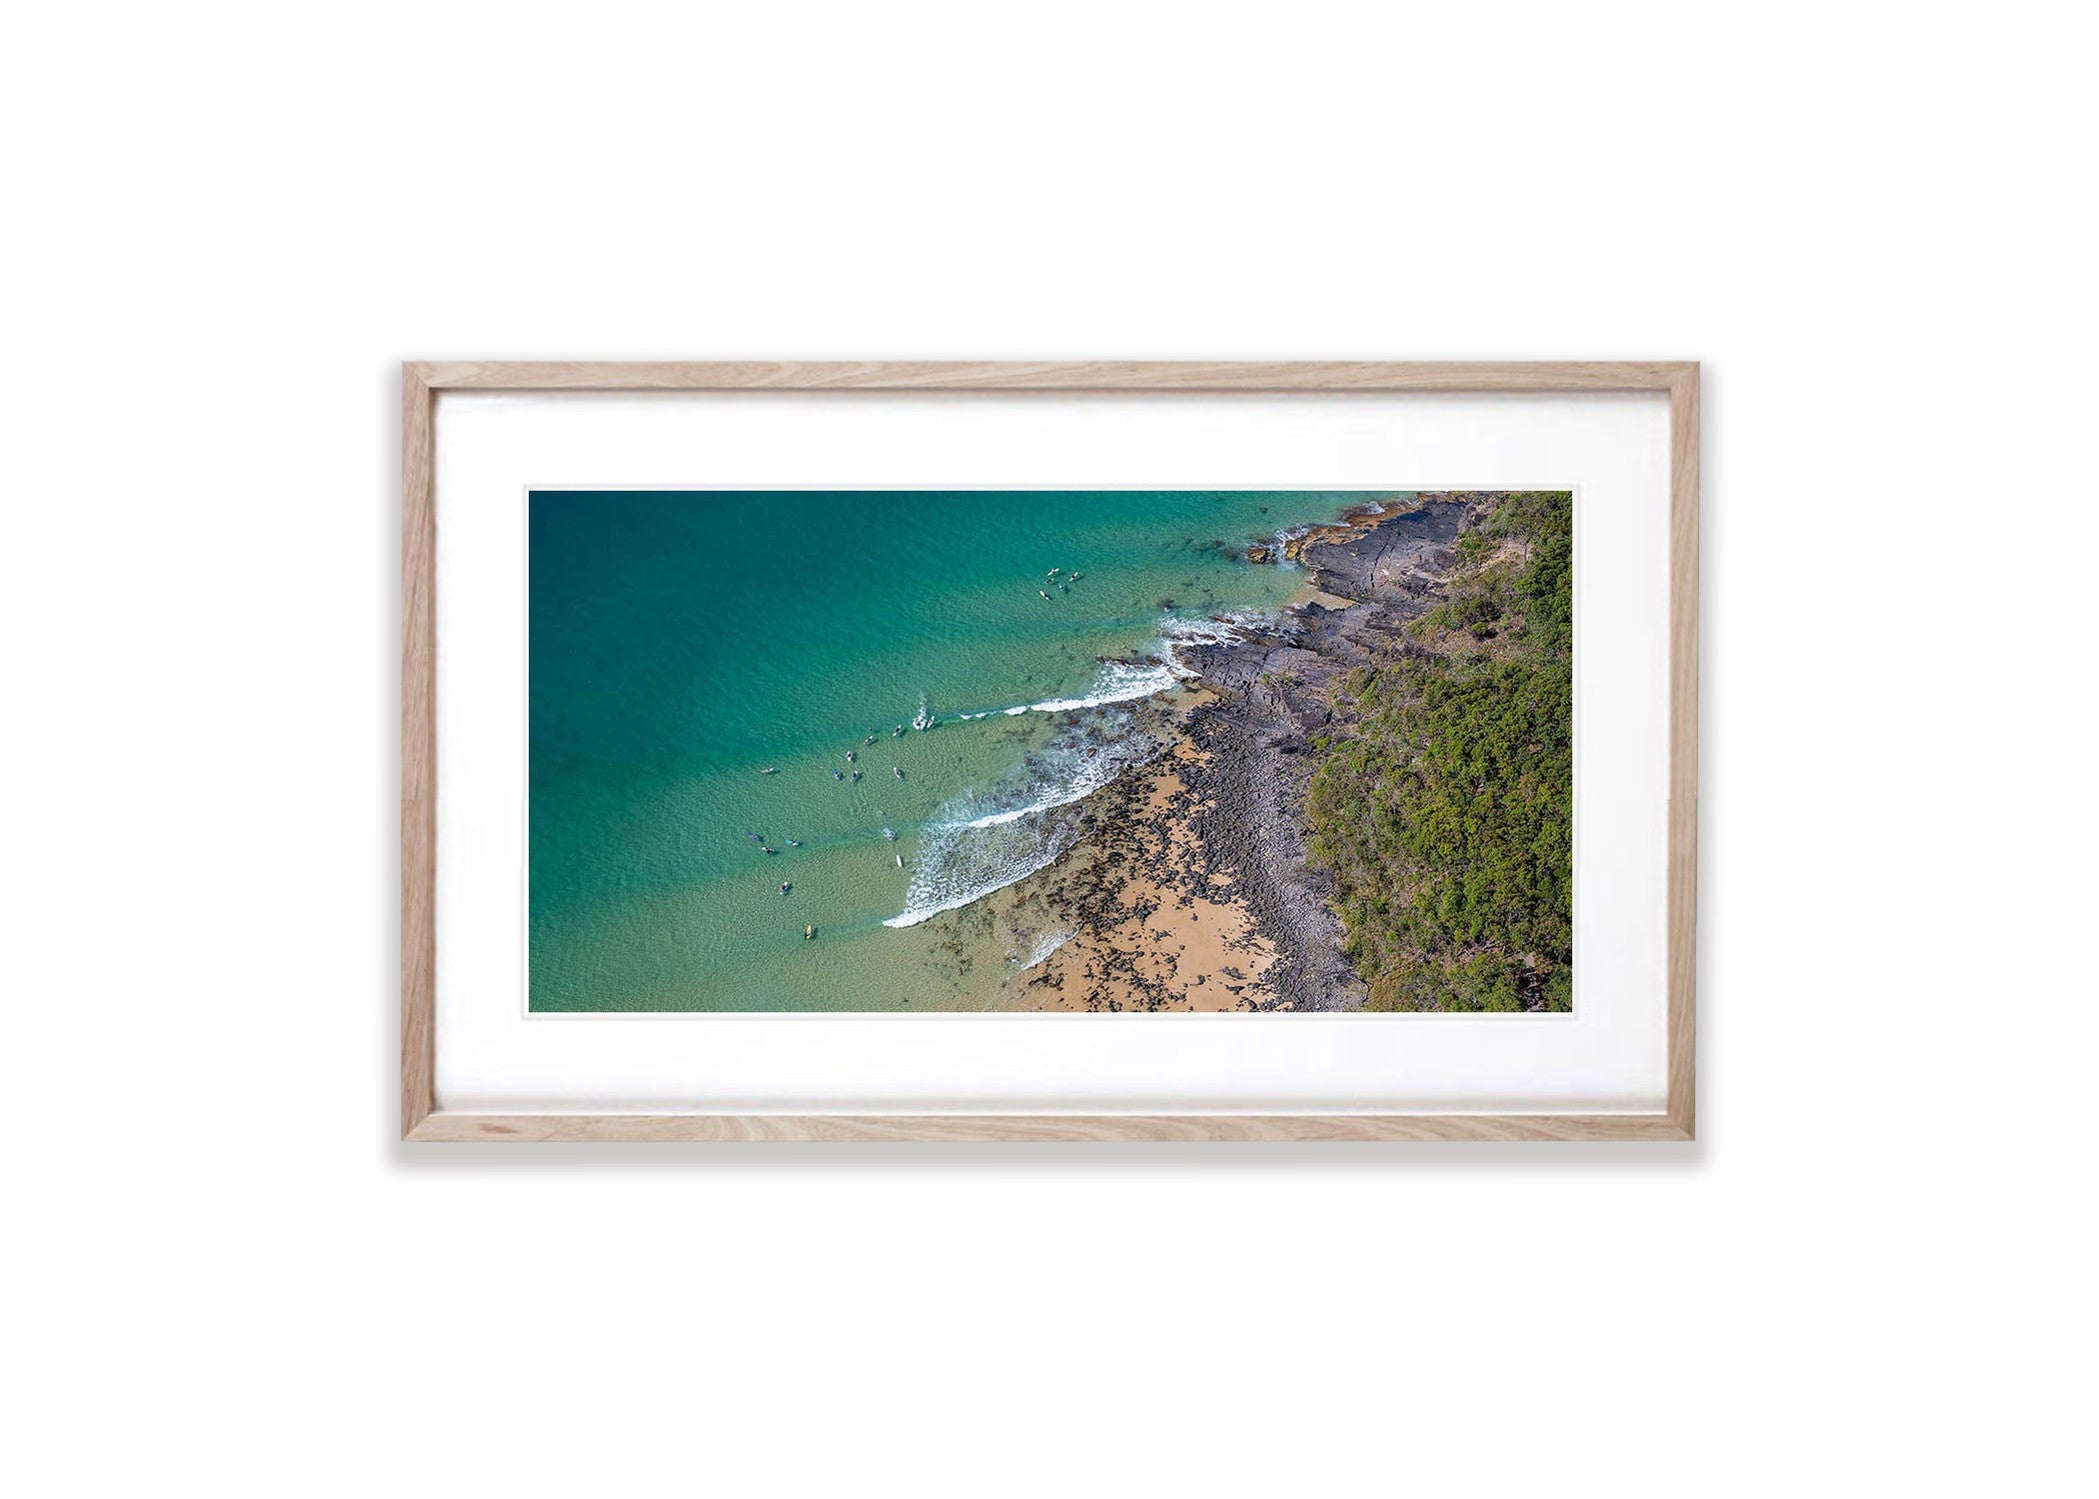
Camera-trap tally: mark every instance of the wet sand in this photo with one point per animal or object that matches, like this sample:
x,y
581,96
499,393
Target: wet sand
x,y
1153,925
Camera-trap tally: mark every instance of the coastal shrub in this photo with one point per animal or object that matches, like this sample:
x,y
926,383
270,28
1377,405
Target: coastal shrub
x,y
1447,816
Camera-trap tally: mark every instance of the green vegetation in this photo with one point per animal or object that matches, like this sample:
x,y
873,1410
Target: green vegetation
x,y
1447,815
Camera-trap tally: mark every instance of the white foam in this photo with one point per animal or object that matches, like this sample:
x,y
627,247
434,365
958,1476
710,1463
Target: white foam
x,y
970,851
1118,682
1000,819
1223,629
1045,944
1279,546
958,866
1094,775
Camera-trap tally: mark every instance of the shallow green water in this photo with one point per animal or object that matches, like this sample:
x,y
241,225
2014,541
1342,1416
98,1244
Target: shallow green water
x,y
683,643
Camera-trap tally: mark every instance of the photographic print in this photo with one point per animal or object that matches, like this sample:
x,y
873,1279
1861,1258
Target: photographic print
x,y
1117,751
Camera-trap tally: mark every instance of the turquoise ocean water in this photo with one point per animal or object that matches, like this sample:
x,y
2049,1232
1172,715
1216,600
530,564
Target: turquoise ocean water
x,y
683,643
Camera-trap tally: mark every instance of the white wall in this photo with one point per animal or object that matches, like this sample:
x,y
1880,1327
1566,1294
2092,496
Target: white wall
x,y
229,223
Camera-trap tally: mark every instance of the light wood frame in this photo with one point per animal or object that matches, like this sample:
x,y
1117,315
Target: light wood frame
x,y
420,384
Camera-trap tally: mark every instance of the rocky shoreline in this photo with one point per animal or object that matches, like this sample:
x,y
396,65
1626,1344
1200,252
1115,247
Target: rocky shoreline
x,y
1215,830
1385,568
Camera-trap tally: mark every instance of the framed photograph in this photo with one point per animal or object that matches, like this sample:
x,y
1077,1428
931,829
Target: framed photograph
x,y
1049,751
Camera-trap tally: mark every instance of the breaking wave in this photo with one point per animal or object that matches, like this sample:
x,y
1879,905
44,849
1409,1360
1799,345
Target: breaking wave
x,y
1044,945
1128,681
1221,629
1118,682
976,845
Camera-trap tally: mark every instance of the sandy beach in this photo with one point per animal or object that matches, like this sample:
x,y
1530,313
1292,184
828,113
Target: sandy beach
x,y
1153,924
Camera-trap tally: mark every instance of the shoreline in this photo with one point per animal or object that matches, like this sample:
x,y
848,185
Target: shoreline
x,y
1140,921
1188,886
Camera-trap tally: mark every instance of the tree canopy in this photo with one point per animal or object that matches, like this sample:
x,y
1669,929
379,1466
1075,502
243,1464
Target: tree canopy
x,y
1447,814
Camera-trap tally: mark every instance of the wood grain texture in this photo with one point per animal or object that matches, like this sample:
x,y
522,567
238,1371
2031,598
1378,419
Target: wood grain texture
x,y
422,1121
1039,1128
1126,377
418,751
1683,751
